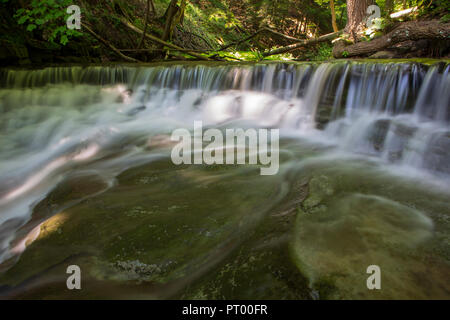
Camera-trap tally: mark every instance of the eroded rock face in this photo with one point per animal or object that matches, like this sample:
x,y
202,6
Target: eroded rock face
x,y
378,134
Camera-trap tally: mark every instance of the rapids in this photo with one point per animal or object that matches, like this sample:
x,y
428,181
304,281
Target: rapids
x,y
365,135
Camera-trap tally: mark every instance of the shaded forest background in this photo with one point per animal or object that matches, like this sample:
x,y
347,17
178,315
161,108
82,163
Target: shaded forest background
x,y
34,32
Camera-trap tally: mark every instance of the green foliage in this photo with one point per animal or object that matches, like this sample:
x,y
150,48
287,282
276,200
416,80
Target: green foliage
x,y
49,16
280,57
426,7
323,52
243,55
345,54
212,20
237,55
437,7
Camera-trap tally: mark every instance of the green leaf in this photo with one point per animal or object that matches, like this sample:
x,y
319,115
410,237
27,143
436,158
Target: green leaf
x,y
40,21
31,27
64,40
22,19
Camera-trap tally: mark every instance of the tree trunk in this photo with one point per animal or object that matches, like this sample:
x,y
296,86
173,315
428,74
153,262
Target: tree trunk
x,y
412,30
356,13
153,7
333,16
170,14
178,18
389,6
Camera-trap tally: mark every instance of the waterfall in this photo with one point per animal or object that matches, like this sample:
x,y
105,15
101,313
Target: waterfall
x,y
407,104
58,120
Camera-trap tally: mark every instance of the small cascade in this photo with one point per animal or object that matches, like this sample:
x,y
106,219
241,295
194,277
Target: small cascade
x,y
395,111
390,124
433,102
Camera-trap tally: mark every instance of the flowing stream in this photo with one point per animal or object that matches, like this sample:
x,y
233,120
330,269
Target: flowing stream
x,y
364,179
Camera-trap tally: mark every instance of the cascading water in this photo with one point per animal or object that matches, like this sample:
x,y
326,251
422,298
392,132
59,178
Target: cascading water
x,y
392,111
400,116
63,121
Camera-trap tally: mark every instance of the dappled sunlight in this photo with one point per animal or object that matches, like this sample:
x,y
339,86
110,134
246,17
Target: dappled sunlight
x,y
52,225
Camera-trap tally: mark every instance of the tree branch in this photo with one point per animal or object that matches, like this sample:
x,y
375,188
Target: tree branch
x,y
304,43
161,42
264,29
109,45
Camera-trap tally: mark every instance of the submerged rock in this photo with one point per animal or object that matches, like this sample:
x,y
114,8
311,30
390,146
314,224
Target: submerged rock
x,y
333,245
437,155
136,110
320,188
378,133
397,141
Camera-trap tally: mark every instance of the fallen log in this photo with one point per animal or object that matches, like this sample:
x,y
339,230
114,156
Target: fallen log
x,y
162,50
164,43
214,56
281,35
411,30
264,29
303,43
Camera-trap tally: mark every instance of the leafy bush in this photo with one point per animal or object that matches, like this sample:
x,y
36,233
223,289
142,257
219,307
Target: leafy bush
x,y
50,17
324,52
434,8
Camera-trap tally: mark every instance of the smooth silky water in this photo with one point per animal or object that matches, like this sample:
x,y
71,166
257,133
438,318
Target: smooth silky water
x,y
86,178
